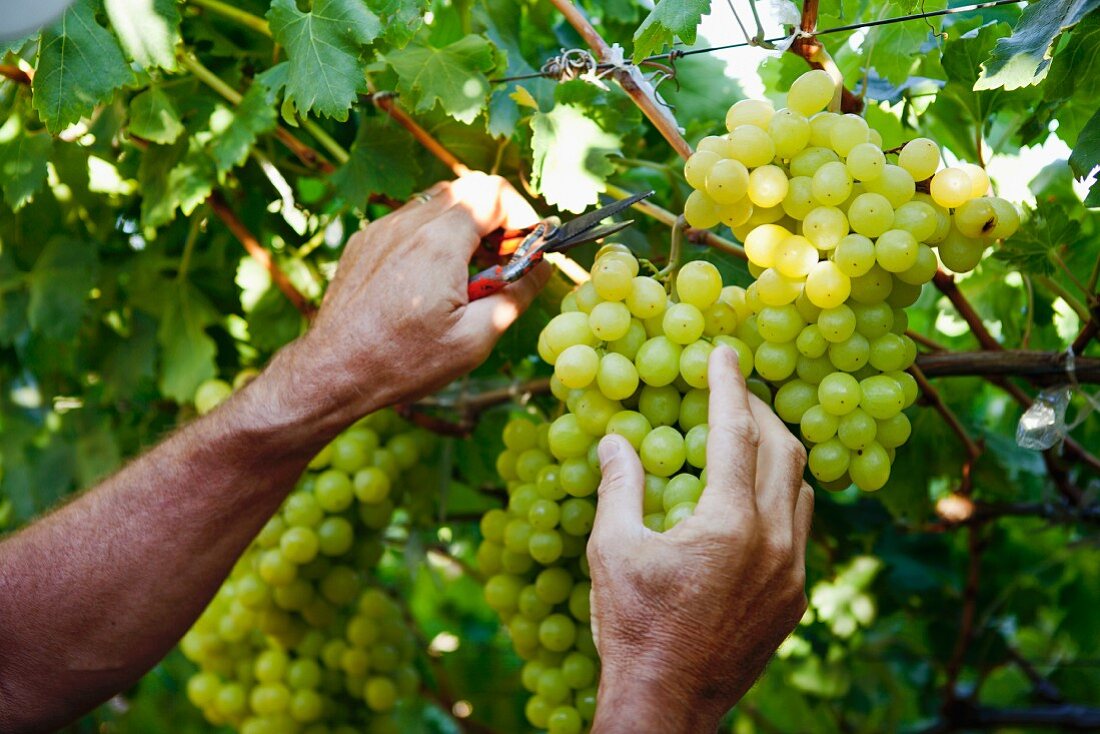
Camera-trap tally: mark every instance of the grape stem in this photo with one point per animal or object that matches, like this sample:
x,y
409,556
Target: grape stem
x,y
668,272
973,450
241,17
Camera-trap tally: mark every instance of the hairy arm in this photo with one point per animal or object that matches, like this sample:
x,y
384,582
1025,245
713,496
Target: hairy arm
x,y
92,595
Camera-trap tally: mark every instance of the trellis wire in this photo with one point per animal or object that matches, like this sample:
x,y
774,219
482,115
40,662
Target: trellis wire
x,y
677,54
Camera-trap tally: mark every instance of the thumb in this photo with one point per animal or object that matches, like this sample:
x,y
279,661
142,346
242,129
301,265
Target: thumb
x,y
619,510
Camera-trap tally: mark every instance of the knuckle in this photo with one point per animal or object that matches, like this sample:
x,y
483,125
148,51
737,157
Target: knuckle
x,y
796,453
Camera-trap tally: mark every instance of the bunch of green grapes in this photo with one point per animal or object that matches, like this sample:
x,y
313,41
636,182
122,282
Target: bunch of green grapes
x,y
628,359
300,639
840,242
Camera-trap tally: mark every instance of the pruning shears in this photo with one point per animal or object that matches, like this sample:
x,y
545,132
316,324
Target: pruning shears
x,y
549,235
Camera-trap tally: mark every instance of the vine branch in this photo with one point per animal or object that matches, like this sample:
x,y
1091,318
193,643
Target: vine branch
x,y
1043,367
386,102
973,450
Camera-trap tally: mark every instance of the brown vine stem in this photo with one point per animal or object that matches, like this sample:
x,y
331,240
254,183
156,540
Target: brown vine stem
x,y
16,74
973,450
925,341
811,49
259,254
469,407
1088,332
664,216
658,114
945,282
1040,367
387,102
969,613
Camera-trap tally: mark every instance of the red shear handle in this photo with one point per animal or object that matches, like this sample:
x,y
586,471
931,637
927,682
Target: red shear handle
x,y
486,283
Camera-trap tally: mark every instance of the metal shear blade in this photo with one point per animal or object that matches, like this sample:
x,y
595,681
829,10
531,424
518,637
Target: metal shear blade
x,y
588,228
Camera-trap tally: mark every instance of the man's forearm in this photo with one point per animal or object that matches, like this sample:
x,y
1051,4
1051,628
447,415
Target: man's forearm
x,y
637,707
94,594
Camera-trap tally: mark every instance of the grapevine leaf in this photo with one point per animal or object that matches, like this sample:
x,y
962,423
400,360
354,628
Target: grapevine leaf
x,y
569,151
149,31
153,117
453,76
59,284
401,19
23,159
179,176
895,46
383,160
254,116
1086,153
273,321
324,49
187,351
1047,232
1023,58
79,66
669,19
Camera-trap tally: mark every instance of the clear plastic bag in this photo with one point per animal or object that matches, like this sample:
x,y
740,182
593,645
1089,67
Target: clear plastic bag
x,y
1043,425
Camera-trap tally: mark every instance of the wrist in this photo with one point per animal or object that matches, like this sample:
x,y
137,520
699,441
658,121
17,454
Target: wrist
x,y
635,701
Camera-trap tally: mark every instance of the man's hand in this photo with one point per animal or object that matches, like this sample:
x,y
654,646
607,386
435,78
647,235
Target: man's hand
x,y
396,324
686,620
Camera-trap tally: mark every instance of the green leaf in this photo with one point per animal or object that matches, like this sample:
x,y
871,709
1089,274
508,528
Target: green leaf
x,y
325,49
254,116
570,164
187,351
1086,153
453,76
178,176
23,159
401,19
274,321
669,19
154,117
1023,58
59,284
148,30
895,47
79,66
383,160
1048,231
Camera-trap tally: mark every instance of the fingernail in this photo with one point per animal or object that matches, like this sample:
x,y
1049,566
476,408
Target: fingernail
x,y
607,450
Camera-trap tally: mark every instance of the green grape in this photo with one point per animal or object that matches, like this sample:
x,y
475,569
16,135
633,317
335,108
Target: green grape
x,y
742,349
979,179
567,438
631,425
737,213
847,132
694,409
681,488
793,399
610,320
895,184
865,162
678,514
808,311
896,250
809,160
918,219
796,257
663,451
653,491
776,362
839,394
903,294
695,445
873,287
894,431
698,166
827,286
778,324
556,633
976,217
617,377
299,545
699,283
567,329
790,130
811,92
850,354
960,253
888,353
658,360
829,460
751,146
764,215
701,211
660,405
578,478
818,425
530,462
538,710
629,345
576,366
553,585
811,341
870,467
873,320
577,516
821,126
564,720
825,227
854,255
717,144
799,200
837,324
302,510
683,323
951,187
920,157
647,298
923,270
613,278
749,112
870,214
727,181
544,514
719,319
693,363
767,186
881,397
1008,219
776,290
654,521
333,491
831,183
856,429
545,546
763,243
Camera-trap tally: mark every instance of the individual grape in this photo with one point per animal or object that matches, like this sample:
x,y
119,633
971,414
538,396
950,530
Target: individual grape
x,y
742,349
727,182
821,125
698,283
839,393
718,319
763,215
918,219
894,431
960,253
809,160
678,514
698,167
717,144
660,405
881,397
818,425
836,324
663,451
613,278
870,467
593,411
1008,219
865,162
856,430
576,366
693,363
922,271
825,227
779,323
873,319
658,361
920,157
854,255
567,329
749,112
776,290
627,346
701,211
681,488
736,214
799,200
775,362
828,461
811,342
827,286
979,179
895,183
873,287
763,243
896,250
567,439
751,146
811,92
617,377
870,214
790,130
850,354
609,320
951,187
695,445
976,217
847,132
767,186
793,399
831,183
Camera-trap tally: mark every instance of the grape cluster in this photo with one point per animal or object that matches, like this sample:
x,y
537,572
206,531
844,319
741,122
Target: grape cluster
x,y
628,359
301,639
839,241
